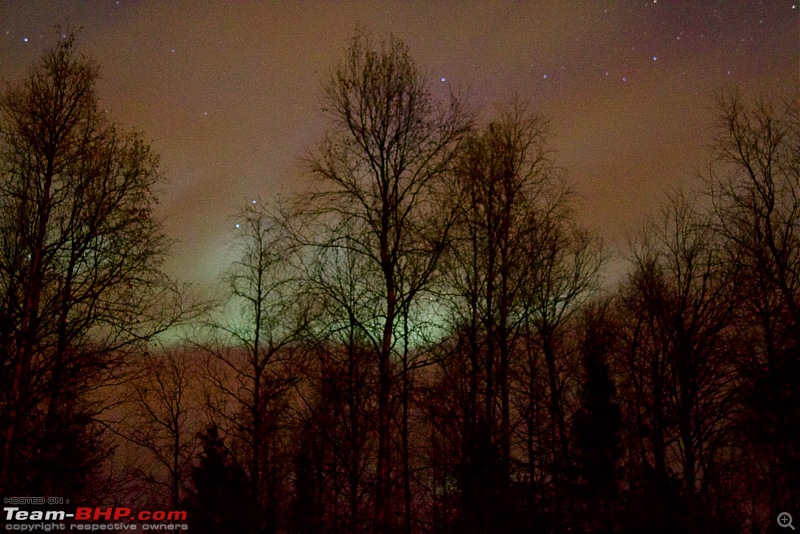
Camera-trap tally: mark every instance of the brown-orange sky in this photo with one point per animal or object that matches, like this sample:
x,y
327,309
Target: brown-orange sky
x,y
229,92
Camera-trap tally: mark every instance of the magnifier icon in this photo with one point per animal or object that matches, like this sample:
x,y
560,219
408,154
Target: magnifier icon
x,y
785,520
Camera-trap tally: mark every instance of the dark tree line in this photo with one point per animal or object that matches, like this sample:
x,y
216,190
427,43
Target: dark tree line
x,y
422,344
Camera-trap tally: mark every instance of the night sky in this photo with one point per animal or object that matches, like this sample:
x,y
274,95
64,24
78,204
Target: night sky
x,y
229,92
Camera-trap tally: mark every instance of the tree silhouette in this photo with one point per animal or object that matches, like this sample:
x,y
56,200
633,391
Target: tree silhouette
x,y
754,182
161,417
220,501
680,299
597,426
516,269
80,278
339,396
252,361
378,169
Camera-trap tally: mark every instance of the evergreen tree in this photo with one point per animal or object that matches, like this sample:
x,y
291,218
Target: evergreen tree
x,y
220,499
597,442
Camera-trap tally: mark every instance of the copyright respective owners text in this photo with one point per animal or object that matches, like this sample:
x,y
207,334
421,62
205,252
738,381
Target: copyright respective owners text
x,y
48,514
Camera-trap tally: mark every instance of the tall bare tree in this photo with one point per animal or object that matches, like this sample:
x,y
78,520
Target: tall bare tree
x,y
340,396
252,364
755,188
517,268
80,256
379,168
682,302
502,170
566,261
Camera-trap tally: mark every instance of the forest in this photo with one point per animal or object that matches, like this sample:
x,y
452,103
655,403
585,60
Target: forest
x,y
427,340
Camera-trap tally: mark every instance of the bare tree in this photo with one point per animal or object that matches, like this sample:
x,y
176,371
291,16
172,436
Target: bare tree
x,y
80,256
378,169
502,171
681,301
252,364
163,417
342,382
566,261
754,180
517,268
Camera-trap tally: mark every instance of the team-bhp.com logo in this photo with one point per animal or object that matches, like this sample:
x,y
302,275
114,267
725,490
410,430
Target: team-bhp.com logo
x,y
93,518
121,513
